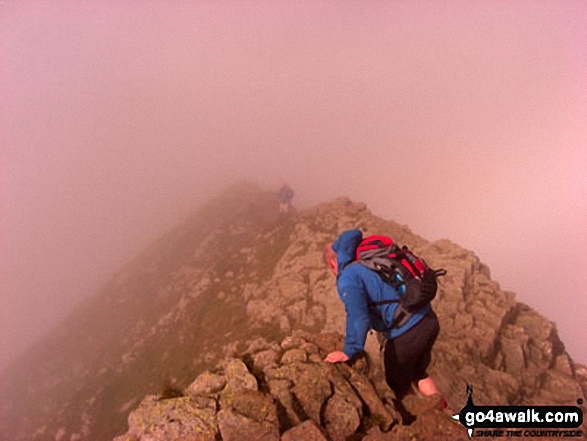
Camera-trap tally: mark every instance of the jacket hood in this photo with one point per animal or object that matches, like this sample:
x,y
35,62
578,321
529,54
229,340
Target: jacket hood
x,y
345,247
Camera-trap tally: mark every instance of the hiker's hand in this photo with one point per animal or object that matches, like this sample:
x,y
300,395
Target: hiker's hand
x,y
336,357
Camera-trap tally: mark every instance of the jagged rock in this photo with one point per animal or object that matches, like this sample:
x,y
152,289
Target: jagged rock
x,y
232,282
374,404
252,404
307,431
563,364
315,358
261,344
294,355
432,425
204,402
285,402
171,419
235,427
207,383
290,372
581,376
512,345
312,388
266,358
557,388
341,418
239,377
338,375
291,342
309,348
329,342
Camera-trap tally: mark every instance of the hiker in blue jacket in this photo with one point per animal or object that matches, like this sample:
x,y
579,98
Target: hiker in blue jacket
x,y
408,348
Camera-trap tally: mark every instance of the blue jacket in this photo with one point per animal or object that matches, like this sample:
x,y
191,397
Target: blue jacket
x,y
357,286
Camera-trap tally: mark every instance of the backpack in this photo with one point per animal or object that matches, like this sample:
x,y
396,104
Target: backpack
x,y
413,279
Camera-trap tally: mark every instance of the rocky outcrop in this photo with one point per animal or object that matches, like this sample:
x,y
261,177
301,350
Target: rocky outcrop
x,y
508,351
261,393
291,397
177,316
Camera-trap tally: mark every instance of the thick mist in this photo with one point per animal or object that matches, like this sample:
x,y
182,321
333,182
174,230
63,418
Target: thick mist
x,y
462,120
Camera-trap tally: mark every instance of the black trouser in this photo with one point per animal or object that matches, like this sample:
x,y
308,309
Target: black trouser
x,y
408,356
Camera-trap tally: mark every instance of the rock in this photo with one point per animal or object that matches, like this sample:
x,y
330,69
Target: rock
x,y
311,390
264,359
207,383
512,345
171,419
374,404
292,342
235,427
203,402
261,344
294,355
557,389
307,431
564,365
375,434
315,358
338,375
341,418
433,424
240,272
252,404
280,390
329,342
290,372
309,348
239,377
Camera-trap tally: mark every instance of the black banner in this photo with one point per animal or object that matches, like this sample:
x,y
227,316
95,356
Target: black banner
x,y
517,417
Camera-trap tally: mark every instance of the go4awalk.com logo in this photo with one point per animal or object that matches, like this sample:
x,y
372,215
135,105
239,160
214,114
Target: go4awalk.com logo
x,y
526,421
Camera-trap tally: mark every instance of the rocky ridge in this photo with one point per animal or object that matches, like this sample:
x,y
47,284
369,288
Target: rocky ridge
x,y
510,352
268,391
236,271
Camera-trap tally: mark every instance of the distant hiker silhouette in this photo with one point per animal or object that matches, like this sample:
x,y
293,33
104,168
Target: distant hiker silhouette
x,y
285,195
372,303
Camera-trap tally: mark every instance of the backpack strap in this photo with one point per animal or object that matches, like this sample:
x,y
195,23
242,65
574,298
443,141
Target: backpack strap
x,y
400,316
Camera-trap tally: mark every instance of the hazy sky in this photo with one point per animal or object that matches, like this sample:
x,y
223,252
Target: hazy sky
x,y
465,120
